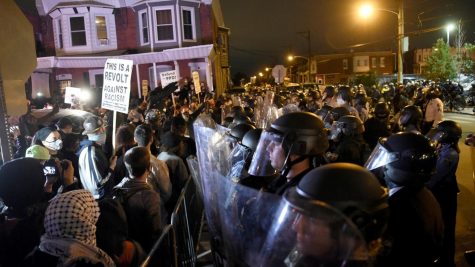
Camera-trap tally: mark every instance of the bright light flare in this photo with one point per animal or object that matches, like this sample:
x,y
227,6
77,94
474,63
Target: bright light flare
x,y
290,58
450,27
85,95
261,74
366,10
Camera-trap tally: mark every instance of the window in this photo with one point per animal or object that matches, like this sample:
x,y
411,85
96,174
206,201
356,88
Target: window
x,y
78,31
60,34
188,19
345,64
358,62
419,58
144,28
101,29
382,64
365,62
164,25
373,62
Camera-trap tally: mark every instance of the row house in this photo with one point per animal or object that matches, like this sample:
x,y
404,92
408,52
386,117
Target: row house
x,y
341,68
75,38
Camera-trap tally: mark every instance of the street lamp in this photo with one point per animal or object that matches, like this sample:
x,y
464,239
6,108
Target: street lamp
x,y
292,57
449,28
367,10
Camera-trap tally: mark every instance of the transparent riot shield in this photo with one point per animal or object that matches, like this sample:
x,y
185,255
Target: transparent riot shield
x,y
239,157
237,216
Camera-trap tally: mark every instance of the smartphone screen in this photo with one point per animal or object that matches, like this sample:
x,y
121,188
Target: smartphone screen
x,y
49,170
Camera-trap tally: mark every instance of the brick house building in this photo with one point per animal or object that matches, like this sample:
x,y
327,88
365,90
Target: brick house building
x,y
341,68
75,38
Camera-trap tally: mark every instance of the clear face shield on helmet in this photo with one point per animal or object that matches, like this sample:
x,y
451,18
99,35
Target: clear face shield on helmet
x,y
269,156
311,233
380,156
336,130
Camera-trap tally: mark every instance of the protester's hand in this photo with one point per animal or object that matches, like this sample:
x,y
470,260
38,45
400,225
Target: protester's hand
x,y
67,170
113,162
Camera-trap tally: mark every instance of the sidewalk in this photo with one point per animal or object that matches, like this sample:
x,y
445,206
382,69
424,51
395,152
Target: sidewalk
x,y
465,111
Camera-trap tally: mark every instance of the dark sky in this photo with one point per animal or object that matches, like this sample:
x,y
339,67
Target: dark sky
x,y
263,32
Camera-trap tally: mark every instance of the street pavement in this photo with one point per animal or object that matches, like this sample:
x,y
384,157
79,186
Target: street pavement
x,y
465,227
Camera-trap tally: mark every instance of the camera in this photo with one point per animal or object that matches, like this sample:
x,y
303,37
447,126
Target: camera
x,y
51,169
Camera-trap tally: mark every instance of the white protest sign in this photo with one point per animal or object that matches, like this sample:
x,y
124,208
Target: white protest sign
x,y
196,81
167,77
72,95
116,88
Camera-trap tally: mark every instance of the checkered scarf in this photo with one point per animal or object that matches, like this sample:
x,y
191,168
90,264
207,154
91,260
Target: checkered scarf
x,y
70,229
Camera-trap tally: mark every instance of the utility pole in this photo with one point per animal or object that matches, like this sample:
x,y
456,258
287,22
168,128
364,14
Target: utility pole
x,y
306,35
400,40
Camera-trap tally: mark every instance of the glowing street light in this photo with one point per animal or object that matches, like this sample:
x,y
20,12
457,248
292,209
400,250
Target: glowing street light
x,y
366,10
261,74
449,28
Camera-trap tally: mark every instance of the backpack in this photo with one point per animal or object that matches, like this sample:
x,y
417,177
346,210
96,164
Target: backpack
x,y
112,227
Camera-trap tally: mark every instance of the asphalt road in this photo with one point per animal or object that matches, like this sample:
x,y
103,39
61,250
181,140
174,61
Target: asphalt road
x,y
465,227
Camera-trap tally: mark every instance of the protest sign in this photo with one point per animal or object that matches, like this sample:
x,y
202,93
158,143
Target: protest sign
x,y
196,81
116,88
167,77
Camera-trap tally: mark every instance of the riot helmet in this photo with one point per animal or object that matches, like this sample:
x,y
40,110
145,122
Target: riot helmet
x,y
381,111
334,211
325,113
251,139
339,112
408,159
297,133
240,130
446,132
348,125
411,115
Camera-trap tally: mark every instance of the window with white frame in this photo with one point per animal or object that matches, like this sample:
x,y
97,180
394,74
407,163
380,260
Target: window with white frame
x,y
164,19
382,64
101,30
78,31
144,30
188,21
373,62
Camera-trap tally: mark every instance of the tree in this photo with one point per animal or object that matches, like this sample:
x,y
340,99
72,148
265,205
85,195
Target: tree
x,y
366,80
463,61
440,63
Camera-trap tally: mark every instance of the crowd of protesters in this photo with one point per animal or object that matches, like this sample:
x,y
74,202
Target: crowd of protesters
x,y
61,180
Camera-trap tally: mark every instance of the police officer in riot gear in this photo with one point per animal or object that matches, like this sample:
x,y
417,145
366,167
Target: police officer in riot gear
x,y
378,125
347,133
415,227
289,145
335,216
443,184
410,119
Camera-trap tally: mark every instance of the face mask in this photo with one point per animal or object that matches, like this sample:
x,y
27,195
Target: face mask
x,y
98,138
55,145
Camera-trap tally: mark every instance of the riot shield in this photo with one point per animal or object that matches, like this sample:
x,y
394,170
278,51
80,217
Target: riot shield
x,y
237,216
239,156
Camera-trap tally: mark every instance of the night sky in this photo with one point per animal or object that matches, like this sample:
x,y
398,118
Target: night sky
x,y
263,32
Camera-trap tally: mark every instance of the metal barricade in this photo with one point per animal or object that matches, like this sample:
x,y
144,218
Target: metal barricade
x,y
163,252
187,222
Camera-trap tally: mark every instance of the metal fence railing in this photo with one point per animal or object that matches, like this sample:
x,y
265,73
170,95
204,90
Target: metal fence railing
x,y
178,243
